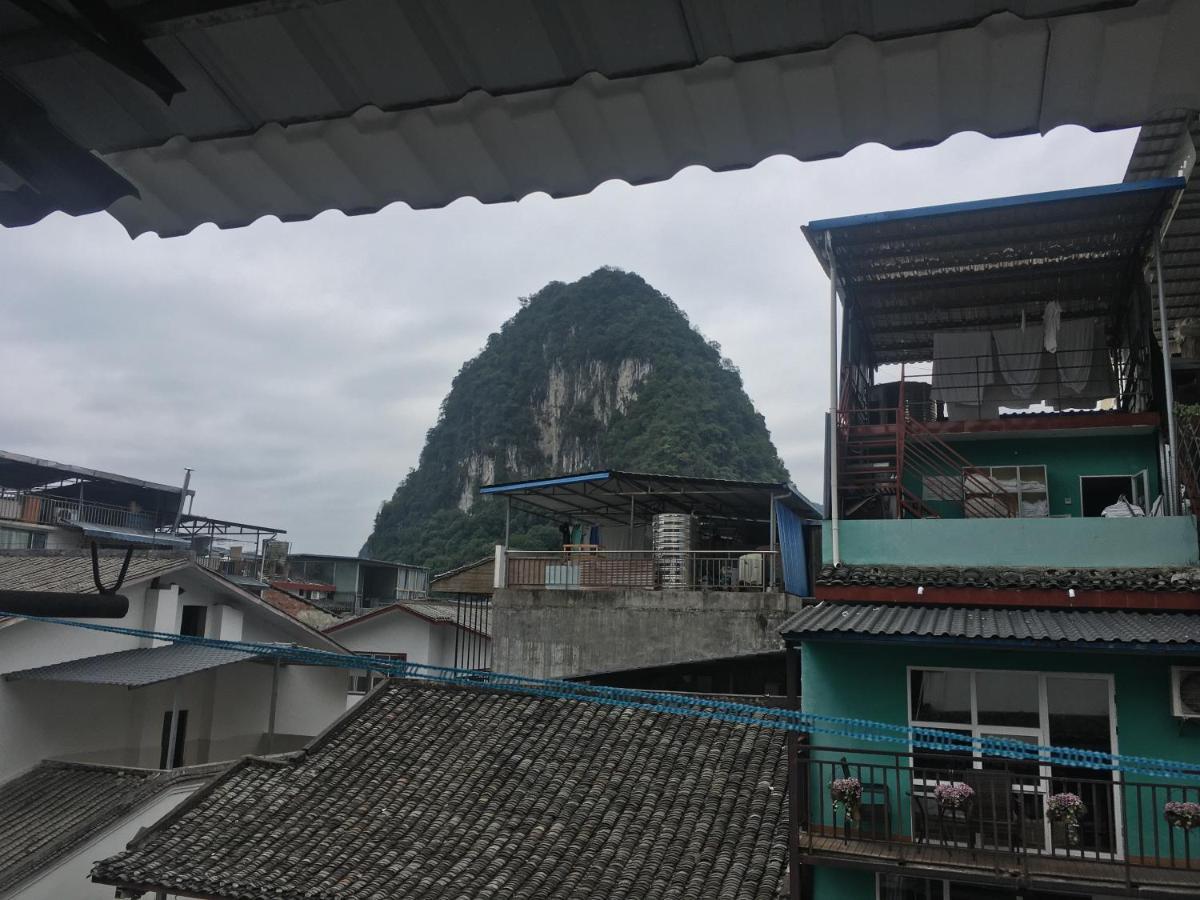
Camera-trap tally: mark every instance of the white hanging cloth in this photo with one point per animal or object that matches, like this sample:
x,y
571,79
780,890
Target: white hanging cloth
x,y
1019,355
1051,318
962,366
1077,341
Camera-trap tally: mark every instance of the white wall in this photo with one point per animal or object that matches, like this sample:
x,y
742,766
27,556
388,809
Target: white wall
x,y
228,708
392,632
68,879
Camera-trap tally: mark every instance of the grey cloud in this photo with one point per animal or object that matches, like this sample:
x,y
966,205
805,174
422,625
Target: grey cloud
x,y
297,367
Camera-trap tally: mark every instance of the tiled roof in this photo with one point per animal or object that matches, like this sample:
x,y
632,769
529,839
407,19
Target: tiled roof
x,y
135,668
56,806
980,623
442,612
433,791
70,571
1181,578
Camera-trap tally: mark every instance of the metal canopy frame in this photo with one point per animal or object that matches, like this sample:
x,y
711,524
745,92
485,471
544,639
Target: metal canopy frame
x,y
618,498
906,273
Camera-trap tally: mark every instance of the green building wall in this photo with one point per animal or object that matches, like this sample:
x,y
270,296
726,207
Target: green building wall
x,y
869,681
1065,459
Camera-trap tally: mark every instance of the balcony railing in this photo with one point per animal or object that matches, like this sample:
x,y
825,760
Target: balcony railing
x,y
42,509
719,570
1007,827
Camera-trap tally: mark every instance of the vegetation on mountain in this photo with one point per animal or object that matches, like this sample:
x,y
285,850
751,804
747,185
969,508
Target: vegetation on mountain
x,y
605,372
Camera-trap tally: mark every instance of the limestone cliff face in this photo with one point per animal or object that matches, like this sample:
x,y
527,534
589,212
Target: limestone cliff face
x,y
602,373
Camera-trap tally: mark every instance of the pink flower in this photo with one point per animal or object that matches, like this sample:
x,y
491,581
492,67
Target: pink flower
x,y
954,795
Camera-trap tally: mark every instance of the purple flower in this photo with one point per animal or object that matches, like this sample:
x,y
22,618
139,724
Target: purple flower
x,y
1182,814
1065,807
846,792
954,795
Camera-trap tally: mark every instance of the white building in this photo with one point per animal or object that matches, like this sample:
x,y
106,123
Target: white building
x,y
113,703
427,632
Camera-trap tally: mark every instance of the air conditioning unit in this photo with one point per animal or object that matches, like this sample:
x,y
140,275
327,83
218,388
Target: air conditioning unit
x,y
1185,692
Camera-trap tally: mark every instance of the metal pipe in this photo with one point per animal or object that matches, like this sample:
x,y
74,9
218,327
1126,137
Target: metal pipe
x,y
173,729
64,605
834,514
507,517
792,662
771,542
1172,471
187,479
631,522
275,701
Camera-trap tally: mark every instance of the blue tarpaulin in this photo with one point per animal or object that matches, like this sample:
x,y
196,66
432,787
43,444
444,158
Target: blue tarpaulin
x,y
792,550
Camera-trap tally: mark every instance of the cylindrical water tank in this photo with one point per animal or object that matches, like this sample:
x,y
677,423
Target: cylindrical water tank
x,y
674,539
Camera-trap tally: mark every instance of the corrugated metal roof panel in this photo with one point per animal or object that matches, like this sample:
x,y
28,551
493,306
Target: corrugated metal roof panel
x,y
135,668
987,624
559,110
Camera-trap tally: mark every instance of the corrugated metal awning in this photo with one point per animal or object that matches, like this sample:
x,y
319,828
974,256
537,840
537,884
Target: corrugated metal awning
x,y
1096,629
972,265
293,108
610,497
136,668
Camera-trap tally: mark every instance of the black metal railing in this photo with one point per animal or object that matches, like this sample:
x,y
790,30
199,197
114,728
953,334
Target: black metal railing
x,y
996,810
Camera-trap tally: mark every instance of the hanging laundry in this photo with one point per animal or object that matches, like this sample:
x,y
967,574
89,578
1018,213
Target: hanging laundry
x,y
1051,318
962,366
1020,358
1077,341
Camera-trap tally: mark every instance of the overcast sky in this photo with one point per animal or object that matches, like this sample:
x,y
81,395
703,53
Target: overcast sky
x,y
297,367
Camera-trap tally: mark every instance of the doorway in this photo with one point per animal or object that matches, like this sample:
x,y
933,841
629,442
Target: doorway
x,y
1098,492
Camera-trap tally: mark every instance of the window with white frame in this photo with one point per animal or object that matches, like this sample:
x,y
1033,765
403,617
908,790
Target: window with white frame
x,y
1016,491
1038,708
366,681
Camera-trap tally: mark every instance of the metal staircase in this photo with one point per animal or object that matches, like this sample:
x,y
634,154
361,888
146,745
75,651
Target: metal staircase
x,y
880,448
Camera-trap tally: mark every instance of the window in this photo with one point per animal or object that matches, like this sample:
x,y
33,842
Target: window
x,y
193,619
1069,710
1019,491
180,740
364,682
19,539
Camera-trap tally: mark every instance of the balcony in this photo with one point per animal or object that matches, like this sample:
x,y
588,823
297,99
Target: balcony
x,y
43,509
1006,832
589,569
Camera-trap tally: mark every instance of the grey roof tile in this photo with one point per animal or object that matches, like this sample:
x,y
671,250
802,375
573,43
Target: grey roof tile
x,y
71,571
135,668
1177,578
985,623
56,806
434,791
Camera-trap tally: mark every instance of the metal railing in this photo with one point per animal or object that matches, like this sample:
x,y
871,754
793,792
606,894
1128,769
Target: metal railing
x,y
43,509
1010,816
721,570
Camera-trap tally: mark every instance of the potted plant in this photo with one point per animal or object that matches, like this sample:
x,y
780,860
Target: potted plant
x,y
1183,815
1066,809
953,795
846,793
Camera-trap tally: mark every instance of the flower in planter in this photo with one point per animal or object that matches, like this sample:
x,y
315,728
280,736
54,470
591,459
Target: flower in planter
x,y
847,793
1068,809
1184,815
954,795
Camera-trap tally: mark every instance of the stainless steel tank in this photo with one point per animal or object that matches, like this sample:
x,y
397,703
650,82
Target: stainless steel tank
x,y
674,538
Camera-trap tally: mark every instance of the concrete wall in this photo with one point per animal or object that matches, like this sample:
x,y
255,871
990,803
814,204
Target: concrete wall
x,y
553,634
1063,543
68,878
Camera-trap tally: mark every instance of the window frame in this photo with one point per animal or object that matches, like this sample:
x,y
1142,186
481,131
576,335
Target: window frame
x,y
968,496
1041,733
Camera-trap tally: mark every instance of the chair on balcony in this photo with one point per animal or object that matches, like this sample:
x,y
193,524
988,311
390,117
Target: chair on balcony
x,y
994,820
874,809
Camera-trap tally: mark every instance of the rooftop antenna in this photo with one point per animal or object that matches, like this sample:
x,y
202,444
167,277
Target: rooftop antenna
x,y
187,479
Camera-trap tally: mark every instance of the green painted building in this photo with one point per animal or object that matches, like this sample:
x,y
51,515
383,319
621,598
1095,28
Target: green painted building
x,y
1005,637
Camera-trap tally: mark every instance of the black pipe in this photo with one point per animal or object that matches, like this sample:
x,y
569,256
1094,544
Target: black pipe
x,y
64,605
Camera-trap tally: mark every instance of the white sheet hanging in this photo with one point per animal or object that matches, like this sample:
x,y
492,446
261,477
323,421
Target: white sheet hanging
x,y
1077,339
962,366
1019,355
1051,319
